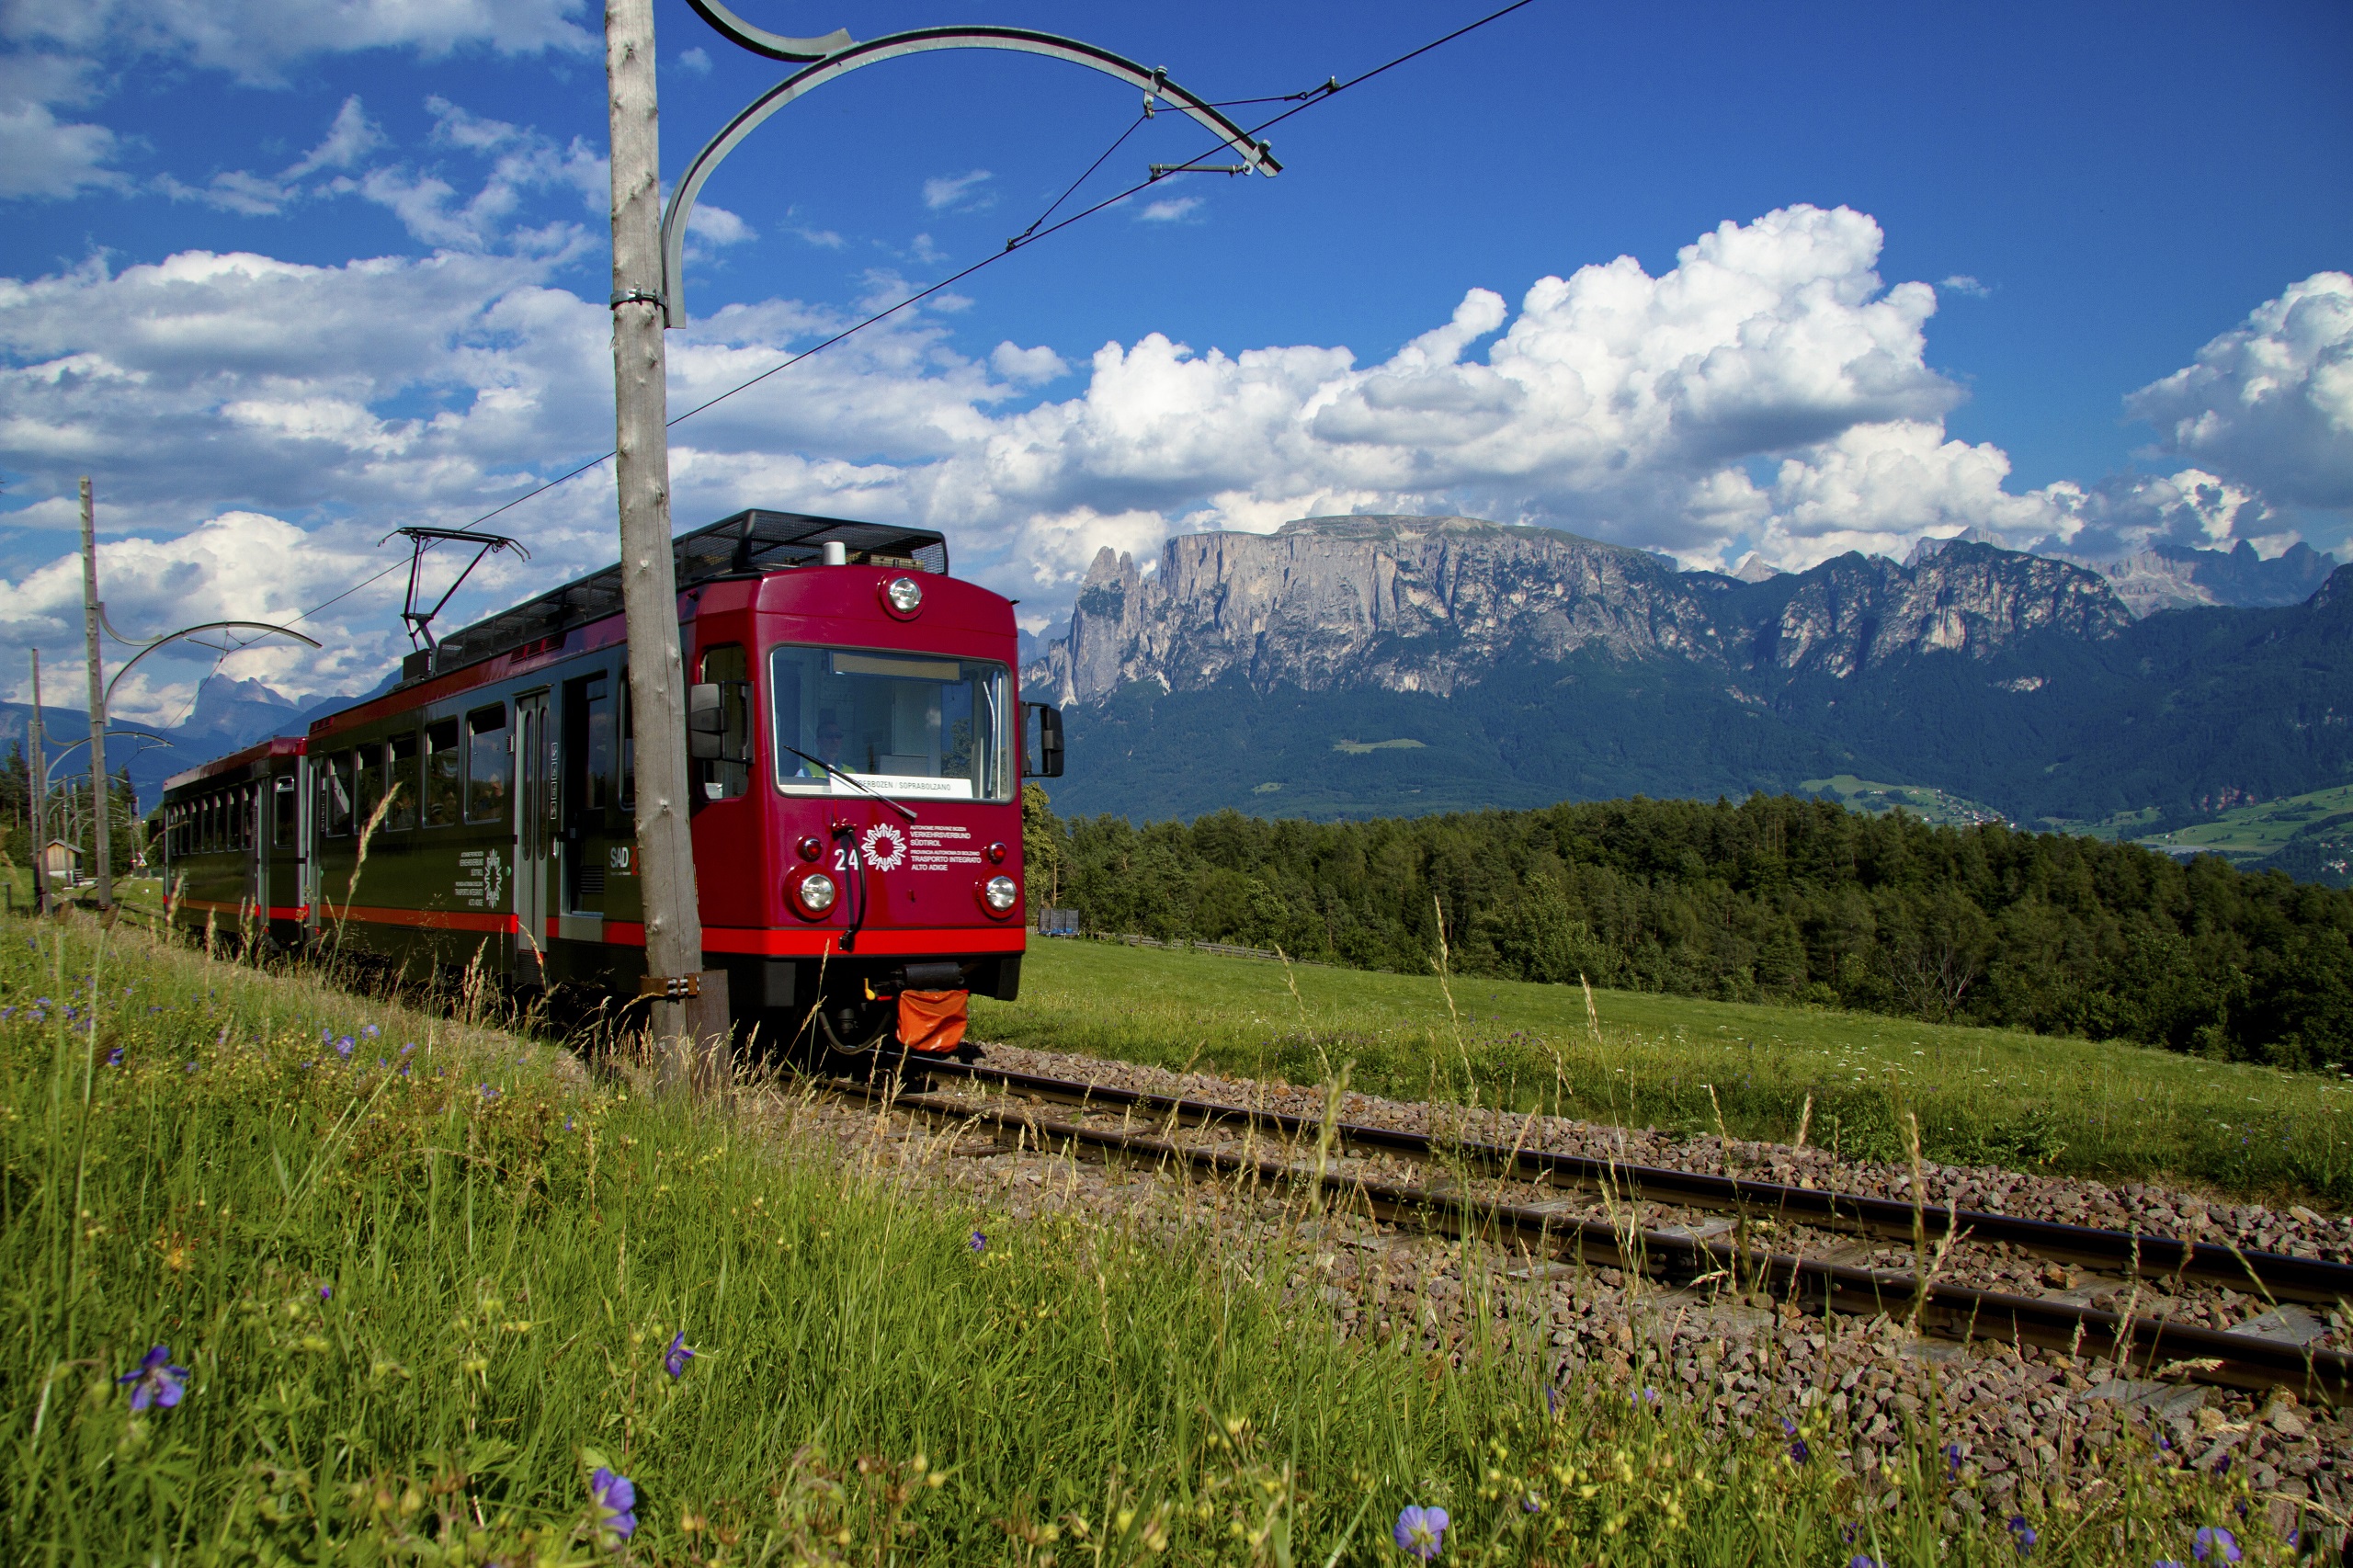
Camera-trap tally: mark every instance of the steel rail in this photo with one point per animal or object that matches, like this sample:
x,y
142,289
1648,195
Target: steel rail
x,y
2276,1275
1956,1312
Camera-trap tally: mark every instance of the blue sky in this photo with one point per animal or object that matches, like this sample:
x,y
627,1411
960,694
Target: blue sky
x,y
285,276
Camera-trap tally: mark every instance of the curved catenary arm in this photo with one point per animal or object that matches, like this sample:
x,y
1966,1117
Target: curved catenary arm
x,y
891,46
760,40
192,630
112,728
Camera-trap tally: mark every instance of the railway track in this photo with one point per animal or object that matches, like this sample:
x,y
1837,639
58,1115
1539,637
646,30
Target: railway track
x,y
1734,1250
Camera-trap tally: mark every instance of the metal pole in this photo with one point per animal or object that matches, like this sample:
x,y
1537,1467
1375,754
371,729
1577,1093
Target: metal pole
x,y
692,1033
99,801
38,790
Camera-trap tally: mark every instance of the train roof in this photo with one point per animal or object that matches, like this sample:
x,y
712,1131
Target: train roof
x,y
747,544
276,745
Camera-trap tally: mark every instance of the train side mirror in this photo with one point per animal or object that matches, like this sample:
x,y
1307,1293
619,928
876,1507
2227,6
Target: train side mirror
x,y
706,722
1042,747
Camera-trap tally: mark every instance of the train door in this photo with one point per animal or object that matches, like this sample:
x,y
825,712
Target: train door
x,y
309,822
587,813
536,782
281,892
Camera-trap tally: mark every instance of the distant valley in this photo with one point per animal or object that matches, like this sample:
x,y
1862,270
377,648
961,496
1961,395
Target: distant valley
x,y
1366,666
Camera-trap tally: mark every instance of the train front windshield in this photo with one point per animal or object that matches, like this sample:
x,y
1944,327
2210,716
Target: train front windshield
x,y
922,726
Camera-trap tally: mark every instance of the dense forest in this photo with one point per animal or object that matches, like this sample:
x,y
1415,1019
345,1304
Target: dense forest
x,y
1775,898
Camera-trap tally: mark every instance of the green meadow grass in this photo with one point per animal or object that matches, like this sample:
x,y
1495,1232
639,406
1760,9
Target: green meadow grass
x,y
423,1295
2107,1109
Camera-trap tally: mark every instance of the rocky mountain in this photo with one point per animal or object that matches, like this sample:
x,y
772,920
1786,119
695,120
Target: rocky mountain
x,y
1427,604
2169,576
1373,665
228,714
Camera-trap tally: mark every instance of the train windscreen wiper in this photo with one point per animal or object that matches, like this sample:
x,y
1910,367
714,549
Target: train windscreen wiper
x,y
848,778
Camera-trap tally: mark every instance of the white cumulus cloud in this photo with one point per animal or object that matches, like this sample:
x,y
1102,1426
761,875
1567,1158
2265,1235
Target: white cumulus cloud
x,y
2271,402
41,154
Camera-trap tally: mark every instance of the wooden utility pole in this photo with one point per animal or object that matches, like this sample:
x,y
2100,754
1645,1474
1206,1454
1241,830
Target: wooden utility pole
x,y
100,802
39,792
693,1033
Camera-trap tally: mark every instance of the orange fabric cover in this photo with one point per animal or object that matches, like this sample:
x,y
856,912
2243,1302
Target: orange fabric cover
x,y
932,1020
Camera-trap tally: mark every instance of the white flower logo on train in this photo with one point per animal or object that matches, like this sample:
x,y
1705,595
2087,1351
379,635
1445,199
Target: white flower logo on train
x,y
884,848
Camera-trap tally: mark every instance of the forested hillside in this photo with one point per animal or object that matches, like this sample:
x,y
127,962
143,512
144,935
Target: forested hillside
x,y
1775,898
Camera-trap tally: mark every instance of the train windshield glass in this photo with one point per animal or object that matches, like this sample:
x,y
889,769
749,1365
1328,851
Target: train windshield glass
x,y
922,726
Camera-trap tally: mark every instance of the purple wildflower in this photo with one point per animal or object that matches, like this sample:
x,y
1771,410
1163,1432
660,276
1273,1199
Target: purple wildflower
x,y
1531,1504
1551,1401
157,1381
2024,1534
1799,1451
1953,1460
114,1057
327,1292
488,1092
979,1242
2223,1465
2165,1563
616,1500
1649,1397
1421,1532
674,1360
1862,1560
371,1031
2215,1544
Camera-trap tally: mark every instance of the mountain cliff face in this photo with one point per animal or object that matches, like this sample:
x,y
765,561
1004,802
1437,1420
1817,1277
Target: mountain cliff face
x,y
2171,577
1428,604
1354,667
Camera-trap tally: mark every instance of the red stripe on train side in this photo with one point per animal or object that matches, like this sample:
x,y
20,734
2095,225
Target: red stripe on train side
x,y
809,943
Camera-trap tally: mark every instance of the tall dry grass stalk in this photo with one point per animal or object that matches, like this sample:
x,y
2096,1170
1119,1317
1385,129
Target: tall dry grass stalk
x,y
367,837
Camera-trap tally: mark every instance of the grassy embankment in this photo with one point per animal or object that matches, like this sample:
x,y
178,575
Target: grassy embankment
x,y
422,1295
2108,1109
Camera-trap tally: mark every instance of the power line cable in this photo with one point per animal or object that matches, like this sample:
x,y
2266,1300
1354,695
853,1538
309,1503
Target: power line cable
x,y
1301,101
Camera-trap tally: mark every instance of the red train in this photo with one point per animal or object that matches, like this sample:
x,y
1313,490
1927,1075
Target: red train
x,y
859,744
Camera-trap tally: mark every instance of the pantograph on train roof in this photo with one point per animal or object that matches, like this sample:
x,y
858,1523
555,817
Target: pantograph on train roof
x,y
746,544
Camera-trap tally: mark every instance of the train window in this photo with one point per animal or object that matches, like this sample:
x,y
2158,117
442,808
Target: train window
x,y
282,812
488,764
628,754
367,784
242,802
211,821
731,774
336,784
900,724
400,781
598,746
443,782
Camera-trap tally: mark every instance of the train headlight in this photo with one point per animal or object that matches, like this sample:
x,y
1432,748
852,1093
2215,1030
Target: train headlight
x,y
816,893
1000,894
903,594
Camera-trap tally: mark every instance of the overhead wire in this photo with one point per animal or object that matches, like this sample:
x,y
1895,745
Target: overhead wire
x,y
1301,101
